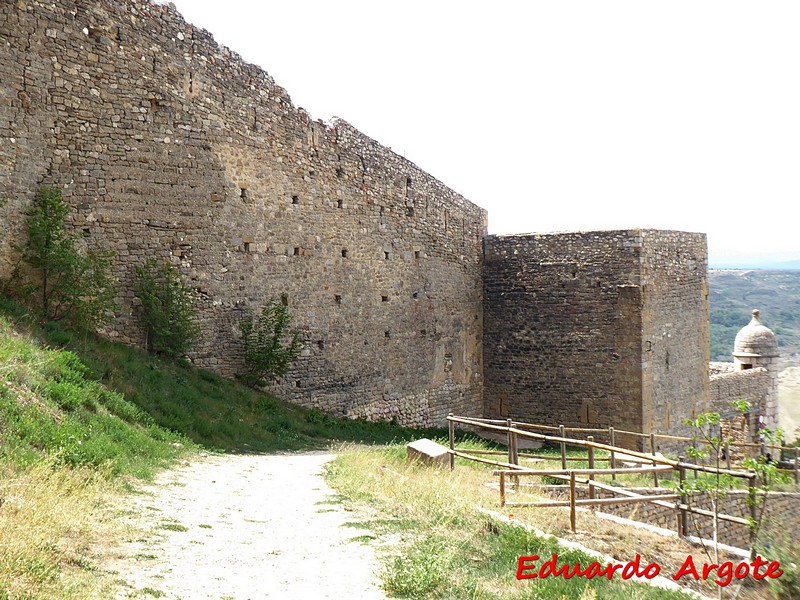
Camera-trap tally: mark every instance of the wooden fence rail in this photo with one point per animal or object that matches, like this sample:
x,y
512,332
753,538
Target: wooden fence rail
x,y
611,433
607,431
657,464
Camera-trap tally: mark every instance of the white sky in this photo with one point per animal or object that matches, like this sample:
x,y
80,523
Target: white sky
x,y
559,115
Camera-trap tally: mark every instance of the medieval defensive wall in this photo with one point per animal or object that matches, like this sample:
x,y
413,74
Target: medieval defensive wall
x,y
166,144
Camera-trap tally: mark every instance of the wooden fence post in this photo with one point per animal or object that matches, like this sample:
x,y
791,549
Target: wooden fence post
x,y
572,500
451,431
563,447
612,463
728,455
797,465
591,466
502,489
513,457
751,494
653,452
683,523
510,442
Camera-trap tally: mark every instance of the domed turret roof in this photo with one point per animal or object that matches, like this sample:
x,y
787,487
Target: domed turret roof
x,y
754,339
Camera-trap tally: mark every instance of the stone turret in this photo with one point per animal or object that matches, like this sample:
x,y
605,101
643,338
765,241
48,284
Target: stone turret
x,y
756,346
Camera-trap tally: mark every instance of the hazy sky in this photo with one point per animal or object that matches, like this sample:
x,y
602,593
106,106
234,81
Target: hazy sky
x,y
559,115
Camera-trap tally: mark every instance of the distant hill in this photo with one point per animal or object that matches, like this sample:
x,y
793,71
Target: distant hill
x,y
733,294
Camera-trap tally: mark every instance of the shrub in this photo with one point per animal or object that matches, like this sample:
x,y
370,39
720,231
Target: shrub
x,y
67,284
168,312
269,346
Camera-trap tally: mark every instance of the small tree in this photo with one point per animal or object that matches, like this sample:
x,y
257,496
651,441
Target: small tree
x,y
269,346
168,312
68,284
767,476
706,425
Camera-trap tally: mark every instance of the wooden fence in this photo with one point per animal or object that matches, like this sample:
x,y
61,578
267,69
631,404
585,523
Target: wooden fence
x,y
648,439
656,464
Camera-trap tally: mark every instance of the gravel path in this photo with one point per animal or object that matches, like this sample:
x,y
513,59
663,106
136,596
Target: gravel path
x,y
245,528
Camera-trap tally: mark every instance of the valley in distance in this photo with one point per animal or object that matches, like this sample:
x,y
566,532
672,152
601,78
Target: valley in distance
x,y
733,294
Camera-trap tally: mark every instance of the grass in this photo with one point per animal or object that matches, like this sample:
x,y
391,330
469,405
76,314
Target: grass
x,y
173,527
83,418
50,520
448,549
68,446
201,406
50,406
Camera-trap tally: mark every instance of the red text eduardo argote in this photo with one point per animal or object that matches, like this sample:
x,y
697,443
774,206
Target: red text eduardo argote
x,y
722,574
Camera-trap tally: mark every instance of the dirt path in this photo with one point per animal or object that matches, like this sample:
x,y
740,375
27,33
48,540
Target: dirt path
x,y
246,528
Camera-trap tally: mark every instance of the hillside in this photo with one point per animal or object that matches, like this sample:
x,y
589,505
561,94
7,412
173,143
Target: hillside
x,y
82,417
733,294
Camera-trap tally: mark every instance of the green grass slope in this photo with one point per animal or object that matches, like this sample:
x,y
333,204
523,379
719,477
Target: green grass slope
x,y
81,417
52,406
68,446
165,395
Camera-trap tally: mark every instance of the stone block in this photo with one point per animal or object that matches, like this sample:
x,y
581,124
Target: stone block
x,y
428,452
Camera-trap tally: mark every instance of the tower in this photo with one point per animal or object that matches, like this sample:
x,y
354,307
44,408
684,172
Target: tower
x,y
756,346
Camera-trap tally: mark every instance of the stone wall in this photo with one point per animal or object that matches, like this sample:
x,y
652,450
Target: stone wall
x,y
168,145
782,512
728,385
675,331
601,328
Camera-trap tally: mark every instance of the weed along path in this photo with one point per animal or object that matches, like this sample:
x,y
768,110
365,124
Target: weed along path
x,y
245,528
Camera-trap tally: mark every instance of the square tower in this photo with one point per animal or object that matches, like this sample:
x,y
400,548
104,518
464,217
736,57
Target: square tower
x,y
597,329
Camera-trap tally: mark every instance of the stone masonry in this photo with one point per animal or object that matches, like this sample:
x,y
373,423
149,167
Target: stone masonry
x,y
602,328
781,511
728,385
167,145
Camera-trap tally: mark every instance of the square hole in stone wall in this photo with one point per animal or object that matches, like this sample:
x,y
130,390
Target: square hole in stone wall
x,y
386,255
295,199
337,298
384,298
417,254
344,253
340,204
297,250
